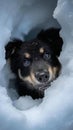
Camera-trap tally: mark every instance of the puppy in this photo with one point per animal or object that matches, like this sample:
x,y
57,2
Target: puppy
x,y
35,63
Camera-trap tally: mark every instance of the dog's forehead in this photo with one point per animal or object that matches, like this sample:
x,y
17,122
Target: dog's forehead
x,y
33,45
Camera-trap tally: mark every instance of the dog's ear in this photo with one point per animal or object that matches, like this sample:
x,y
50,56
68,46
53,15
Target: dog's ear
x,y
52,38
11,47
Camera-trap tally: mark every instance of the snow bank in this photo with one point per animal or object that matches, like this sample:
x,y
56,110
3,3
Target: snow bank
x,y
55,112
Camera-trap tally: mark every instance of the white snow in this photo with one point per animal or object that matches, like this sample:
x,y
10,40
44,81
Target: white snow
x,y
55,111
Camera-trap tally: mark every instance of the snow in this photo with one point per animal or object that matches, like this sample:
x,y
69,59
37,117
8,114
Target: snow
x,y
55,110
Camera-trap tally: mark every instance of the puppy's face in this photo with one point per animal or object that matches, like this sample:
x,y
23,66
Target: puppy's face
x,y
37,64
34,63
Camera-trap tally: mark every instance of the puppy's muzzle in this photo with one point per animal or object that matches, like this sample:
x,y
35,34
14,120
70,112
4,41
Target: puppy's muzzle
x,y
42,76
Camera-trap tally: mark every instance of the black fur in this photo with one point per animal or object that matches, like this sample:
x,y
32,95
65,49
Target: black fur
x,y
52,37
52,43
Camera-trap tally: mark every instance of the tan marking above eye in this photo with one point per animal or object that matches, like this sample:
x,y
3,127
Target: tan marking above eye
x,y
27,55
41,50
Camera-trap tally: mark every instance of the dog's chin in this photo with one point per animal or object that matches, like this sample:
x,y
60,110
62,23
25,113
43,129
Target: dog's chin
x,y
43,87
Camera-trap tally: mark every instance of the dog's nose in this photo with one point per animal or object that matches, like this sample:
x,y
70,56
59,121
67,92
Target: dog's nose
x,y
42,76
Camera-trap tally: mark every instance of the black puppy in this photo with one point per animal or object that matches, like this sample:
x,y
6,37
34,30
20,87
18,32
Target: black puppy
x,y
35,63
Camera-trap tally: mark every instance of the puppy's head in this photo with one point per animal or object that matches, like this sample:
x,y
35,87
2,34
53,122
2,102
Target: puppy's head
x,y
35,62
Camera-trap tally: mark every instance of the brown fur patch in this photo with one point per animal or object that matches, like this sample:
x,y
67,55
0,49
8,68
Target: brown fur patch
x,y
34,79
50,70
30,79
54,71
27,55
41,50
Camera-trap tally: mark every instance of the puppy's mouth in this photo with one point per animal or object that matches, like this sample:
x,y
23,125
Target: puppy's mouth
x,y
43,87
32,80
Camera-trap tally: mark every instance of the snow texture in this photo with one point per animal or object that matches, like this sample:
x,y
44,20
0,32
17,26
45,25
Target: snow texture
x,y
55,112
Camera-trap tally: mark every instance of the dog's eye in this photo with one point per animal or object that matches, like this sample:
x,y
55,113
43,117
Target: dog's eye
x,y
26,63
47,56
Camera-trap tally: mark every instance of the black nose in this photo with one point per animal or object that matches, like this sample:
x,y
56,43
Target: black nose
x,y
42,76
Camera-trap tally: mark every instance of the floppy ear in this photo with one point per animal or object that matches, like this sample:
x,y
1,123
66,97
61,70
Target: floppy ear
x,y
11,47
52,38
